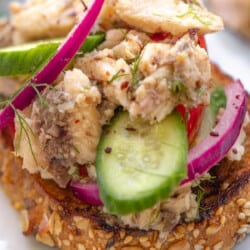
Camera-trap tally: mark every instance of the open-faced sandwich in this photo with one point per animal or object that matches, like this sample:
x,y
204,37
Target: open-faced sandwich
x,y
123,135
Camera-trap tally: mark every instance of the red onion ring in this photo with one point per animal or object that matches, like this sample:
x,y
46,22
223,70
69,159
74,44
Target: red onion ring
x,y
87,192
214,147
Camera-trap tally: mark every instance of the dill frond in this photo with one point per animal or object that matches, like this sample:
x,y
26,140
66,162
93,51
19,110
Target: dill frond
x,y
75,149
134,70
41,98
117,75
199,197
37,87
177,86
24,127
27,130
3,102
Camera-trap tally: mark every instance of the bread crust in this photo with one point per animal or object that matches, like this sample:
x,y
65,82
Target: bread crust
x,y
56,218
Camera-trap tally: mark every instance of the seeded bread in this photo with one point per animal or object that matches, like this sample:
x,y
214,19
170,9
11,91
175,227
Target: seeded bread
x,y
56,218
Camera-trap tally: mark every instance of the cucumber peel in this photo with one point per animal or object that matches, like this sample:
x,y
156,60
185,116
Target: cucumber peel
x,y
139,164
27,58
218,100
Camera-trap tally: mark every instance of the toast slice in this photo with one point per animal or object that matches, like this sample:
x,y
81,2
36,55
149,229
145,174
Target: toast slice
x,y
56,218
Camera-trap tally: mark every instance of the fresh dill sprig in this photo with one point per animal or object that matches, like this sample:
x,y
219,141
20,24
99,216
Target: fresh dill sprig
x,y
134,71
211,179
36,87
75,149
177,86
4,101
41,98
117,75
199,197
24,127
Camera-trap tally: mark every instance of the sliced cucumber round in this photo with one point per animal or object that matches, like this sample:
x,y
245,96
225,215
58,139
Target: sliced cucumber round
x,y
139,164
27,58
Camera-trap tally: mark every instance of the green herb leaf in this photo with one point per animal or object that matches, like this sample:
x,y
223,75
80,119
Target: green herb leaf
x,y
134,71
117,75
177,86
25,129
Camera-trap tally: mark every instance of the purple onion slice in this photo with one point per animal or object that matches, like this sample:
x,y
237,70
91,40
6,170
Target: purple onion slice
x,y
87,192
215,146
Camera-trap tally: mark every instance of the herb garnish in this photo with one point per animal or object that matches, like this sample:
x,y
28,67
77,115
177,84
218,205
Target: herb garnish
x,y
134,70
177,86
117,75
27,130
25,127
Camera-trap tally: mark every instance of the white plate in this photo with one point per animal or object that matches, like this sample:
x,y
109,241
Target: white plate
x,y
233,56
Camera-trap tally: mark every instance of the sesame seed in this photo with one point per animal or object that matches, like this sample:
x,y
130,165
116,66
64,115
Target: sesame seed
x,y
122,234
223,220
219,211
171,238
66,242
196,233
179,235
71,237
202,242
81,247
212,230
198,247
240,202
247,204
190,227
143,239
218,246
91,234
242,216
146,244
246,211
128,239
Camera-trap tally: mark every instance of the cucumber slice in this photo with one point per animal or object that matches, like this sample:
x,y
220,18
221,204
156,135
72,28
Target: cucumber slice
x,y
28,58
139,164
218,100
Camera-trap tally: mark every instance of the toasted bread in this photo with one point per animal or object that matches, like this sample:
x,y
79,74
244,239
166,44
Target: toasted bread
x,y
57,218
